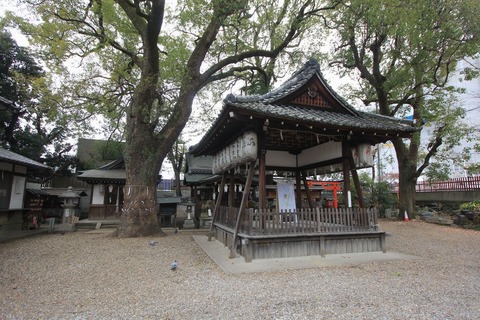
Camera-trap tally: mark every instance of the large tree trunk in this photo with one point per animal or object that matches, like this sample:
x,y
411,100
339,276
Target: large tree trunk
x,y
143,158
407,179
406,192
143,153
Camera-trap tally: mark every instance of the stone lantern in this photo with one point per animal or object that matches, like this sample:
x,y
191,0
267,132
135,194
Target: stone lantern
x,y
70,200
189,223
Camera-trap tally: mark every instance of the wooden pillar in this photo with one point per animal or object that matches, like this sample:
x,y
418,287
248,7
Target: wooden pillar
x,y
346,153
356,181
307,190
298,189
241,211
217,206
231,189
262,173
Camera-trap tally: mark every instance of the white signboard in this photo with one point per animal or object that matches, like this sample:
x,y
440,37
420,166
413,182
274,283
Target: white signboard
x,y
18,192
242,150
286,196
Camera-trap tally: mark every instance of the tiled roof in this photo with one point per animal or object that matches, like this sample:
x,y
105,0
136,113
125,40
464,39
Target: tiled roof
x,y
103,175
310,69
115,164
297,80
9,156
286,105
362,120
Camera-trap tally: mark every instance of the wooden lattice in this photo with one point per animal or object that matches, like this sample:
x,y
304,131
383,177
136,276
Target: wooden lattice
x,y
312,97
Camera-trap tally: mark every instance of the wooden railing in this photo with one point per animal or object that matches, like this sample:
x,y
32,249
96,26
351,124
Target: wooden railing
x,y
455,184
318,220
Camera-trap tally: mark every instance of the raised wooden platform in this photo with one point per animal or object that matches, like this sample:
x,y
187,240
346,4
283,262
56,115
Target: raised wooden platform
x,y
271,234
299,245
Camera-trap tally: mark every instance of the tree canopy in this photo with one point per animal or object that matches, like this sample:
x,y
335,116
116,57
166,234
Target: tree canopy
x,y
30,125
142,63
403,54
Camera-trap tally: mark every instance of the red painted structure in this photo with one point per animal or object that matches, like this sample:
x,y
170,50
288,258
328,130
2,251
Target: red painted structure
x,y
333,186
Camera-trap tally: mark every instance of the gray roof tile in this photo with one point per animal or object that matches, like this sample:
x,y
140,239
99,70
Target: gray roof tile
x,y
9,156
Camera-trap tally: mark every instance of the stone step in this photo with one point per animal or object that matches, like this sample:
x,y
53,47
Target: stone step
x,y
96,224
439,220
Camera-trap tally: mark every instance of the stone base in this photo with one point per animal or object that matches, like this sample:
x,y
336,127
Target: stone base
x,y
188,224
439,220
205,222
65,227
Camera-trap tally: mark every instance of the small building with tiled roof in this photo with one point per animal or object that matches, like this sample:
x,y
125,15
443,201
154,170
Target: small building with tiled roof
x,y
301,127
16,170
107,191
107,184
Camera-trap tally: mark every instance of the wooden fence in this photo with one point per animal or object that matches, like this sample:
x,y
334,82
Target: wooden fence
x,y
304,221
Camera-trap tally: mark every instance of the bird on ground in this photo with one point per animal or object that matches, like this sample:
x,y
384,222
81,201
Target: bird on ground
x,y
174,265
153,242
176,231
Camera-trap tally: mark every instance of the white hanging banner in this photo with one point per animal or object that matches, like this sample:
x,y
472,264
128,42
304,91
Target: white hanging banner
x,y
286,196
242,150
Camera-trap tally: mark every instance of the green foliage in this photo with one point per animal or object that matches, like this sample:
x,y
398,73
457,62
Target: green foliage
x,y
32,126
376,194
403,54
470,206
438,171
102,152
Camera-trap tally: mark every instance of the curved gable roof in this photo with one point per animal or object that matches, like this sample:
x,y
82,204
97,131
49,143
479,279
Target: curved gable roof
x,y
304,103
307,81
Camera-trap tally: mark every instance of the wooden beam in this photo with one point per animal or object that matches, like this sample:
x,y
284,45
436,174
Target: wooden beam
x,y
298,189
231,189
356,181
307,190
262,173
346,153
241,211
217,206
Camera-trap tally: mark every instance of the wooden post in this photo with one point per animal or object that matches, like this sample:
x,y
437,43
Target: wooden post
x,y
356,181
346,154
262,173
217,206
298,189
307,190
231,189
243,205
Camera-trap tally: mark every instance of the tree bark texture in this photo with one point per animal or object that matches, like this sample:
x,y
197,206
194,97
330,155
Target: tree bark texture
x,y
407,180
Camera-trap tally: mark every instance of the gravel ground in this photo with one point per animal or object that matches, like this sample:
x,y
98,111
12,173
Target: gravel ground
x,y
92,276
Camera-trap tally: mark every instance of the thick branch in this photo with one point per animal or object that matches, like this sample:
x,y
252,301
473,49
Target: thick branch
x,y
139,22
431,152
231,72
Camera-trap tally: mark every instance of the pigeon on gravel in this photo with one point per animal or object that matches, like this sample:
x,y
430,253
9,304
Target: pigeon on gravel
x,y
174,265
153,242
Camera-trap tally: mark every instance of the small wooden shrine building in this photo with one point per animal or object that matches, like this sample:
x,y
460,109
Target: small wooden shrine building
x,y
301,126
107,184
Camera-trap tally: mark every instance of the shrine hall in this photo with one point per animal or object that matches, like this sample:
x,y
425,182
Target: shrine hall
x,y
301,128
